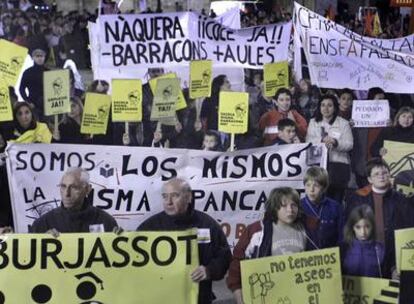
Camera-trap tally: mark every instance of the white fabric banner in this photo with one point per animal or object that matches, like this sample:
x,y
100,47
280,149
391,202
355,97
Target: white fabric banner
x,y
153,40
370,113
231,187
339,58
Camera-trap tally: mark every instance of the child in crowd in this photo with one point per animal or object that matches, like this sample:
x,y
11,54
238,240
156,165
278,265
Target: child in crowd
x,y
283,109
286,132
361,255
280,232
323,215
345,100
211,141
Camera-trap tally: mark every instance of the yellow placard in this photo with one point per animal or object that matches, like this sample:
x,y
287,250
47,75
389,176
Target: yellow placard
x,y
126,100
399,158
165,99
135,267
6,111
201,72
363,289
12,57
404,239
304,278
181,104
95,113
233,112
56,90
276,76
407,259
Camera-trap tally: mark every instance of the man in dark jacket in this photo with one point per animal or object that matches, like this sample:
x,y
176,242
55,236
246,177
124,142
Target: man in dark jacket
x,y
74,214
178,214
391,209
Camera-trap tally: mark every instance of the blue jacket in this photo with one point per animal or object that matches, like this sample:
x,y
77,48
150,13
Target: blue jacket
x,y
323,222
362,258
397,215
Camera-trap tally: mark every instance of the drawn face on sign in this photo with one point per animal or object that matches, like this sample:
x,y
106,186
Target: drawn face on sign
x,y
102,111
206,77
133,97
15,63
57,86
3,95
240,110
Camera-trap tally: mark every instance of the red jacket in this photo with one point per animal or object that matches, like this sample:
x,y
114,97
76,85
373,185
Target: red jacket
x,y
271,119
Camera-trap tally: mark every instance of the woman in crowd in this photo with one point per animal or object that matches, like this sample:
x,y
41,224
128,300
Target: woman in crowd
x,y
361,255
283,109
280,232
25,127
306,98
333,131
68,131
346,98
402,131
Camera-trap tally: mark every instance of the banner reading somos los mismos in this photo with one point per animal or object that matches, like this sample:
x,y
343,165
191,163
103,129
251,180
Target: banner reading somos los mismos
x,y
231,187
153,40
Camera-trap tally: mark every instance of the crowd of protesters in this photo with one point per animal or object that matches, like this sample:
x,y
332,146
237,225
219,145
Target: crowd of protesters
x,y
300,113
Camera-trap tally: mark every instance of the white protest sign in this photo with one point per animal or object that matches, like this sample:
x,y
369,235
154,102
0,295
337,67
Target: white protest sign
x,y
231,187
339,58
370,113
154,40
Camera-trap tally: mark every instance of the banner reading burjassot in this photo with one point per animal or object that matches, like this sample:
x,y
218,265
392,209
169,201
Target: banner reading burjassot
x,y
153,40
339,58
232,187
99,268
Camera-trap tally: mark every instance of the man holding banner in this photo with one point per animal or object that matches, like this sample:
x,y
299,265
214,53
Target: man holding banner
x,y
75,214
178,214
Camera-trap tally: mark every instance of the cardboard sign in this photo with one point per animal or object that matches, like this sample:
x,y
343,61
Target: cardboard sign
x,y
201,72
99,268
126,100
278,279
364,289
56,88
404,239
6,111
276,76
12,57
370,113
165,99
233,112
95,113
181,104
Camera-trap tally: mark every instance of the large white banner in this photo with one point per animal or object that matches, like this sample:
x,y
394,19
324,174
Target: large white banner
x,y
154,40
232,187
339,58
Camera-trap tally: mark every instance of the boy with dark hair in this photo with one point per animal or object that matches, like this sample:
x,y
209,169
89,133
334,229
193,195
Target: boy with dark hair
x,y
286,132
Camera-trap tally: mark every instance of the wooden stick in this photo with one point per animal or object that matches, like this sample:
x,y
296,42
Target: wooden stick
x,y
232,138
127,127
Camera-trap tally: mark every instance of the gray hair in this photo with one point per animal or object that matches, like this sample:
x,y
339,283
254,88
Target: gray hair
x,y
81,172
180,182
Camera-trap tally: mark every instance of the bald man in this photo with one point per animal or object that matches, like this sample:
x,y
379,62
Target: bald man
x,y
74,214
178,214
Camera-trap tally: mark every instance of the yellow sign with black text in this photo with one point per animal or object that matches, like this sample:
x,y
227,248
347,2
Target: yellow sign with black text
x,y
56,88
126,100
134,267
200,78
12,57
95,113
233,112
6,111
276,76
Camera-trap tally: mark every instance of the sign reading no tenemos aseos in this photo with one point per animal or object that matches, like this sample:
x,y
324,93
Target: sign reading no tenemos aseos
x,y
153,40
232,187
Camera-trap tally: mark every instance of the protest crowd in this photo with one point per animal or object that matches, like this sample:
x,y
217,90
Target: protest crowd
x,y
355,202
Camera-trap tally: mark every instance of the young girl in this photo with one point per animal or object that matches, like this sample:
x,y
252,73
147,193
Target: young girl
x,y
280,232
361,255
